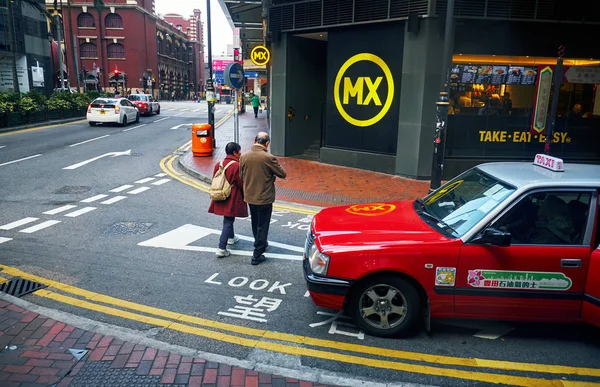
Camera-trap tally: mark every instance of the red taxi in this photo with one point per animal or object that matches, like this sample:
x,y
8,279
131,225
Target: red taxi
x,y
145,103
502,241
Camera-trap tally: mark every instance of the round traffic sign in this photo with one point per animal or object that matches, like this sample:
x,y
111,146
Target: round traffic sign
x,y
234,75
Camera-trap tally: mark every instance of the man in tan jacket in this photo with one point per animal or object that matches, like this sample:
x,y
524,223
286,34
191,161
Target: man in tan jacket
x,y
258,169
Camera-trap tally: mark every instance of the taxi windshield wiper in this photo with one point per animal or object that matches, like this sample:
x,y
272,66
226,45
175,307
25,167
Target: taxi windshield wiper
x,y
428,214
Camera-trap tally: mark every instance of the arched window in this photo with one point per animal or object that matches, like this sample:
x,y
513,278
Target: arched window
x,y
113,20
85,19
159,45
88,50
116,51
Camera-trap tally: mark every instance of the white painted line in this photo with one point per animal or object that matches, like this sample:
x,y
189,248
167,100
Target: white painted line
x,y
111,154
18,223
94,198
196,110
2,146
135,127
160,175
23,159
138,190
121,188
114,200
162,119
182,237
86,141
40,226
2,240
177,115
183,110
161,182
146,180
60,209
82,211
493,332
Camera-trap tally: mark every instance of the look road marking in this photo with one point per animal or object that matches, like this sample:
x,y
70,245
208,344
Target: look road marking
x,y
303,340
23,159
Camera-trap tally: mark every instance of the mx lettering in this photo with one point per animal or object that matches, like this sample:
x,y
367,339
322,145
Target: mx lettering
x,y
259,284
335,321
250,308
356,90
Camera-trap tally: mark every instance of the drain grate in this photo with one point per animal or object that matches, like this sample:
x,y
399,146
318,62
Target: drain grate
x,y
73,189
19,287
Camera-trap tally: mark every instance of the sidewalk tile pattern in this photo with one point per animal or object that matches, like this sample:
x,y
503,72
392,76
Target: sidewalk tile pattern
x,y
310,182
34,351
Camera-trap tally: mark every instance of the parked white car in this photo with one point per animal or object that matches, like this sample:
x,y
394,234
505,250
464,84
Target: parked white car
x,y
115,110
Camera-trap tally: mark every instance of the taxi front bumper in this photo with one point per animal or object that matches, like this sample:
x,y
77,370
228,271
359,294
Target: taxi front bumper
x,y
326,292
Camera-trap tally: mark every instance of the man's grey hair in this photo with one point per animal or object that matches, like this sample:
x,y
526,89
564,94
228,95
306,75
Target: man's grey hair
x,y
262,138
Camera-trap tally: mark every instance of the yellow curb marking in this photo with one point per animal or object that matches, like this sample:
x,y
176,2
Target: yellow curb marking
x,y
303,340
41,128
300,351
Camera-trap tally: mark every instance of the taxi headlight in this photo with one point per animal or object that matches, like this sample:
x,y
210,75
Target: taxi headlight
x,y
318,261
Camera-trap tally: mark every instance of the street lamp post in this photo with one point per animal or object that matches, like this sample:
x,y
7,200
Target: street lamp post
x,y
60,59
211,104
439,139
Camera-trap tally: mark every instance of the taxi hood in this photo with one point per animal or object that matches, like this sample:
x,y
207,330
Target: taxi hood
x,y
372,225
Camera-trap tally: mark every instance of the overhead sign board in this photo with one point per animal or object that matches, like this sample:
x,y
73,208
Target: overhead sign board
x,y
260,55
234,75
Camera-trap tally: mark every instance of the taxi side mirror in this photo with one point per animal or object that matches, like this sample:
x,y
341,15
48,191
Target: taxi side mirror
x,y
495,237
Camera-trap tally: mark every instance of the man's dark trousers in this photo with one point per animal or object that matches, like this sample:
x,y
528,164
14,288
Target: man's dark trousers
x,y
255,111
261,219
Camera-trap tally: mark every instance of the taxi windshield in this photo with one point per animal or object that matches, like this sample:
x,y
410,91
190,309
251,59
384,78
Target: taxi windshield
x,y
463,202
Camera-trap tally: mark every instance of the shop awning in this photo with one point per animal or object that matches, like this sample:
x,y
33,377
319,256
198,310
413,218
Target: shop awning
x,y
247,16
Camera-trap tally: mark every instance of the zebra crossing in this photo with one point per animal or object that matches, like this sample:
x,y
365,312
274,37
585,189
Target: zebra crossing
x,y
32,224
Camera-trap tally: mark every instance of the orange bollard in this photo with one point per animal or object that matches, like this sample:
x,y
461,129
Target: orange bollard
x,y
202,140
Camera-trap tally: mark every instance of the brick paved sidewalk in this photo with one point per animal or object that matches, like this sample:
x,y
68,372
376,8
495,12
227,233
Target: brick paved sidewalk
x,y
38,351
310,182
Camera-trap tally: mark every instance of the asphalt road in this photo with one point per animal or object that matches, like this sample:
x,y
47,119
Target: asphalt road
x,y
119,226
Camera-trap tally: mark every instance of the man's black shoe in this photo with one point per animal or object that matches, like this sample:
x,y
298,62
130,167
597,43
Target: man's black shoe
x,y
256,261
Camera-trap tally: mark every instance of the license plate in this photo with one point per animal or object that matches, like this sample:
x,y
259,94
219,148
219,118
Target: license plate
x,y
102,112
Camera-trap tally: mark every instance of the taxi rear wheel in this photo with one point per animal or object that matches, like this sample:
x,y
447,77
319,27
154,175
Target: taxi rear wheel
x,y
385,306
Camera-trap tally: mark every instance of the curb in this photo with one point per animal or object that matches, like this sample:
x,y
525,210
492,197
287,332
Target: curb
x,y
314,375
41,124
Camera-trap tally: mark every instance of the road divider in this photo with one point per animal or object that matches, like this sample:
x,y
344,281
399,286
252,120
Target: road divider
x,y
23,159
214,330
135,127
90,140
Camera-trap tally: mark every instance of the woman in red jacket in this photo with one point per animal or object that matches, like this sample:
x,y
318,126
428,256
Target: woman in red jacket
x,y
234,206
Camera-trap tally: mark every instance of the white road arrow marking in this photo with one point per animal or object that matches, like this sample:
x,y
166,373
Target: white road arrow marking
x,y
179,126
182,237
110,154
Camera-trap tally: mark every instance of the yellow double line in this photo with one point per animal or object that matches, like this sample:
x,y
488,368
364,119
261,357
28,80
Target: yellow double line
x,y
166,164
255,338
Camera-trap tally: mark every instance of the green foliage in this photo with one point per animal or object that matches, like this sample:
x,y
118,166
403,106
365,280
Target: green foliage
x,y
37,97
92,95
6,107
27,105
57,103
79,101
10,97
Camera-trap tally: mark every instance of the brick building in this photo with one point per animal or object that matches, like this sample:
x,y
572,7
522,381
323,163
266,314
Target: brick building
x,y
127,44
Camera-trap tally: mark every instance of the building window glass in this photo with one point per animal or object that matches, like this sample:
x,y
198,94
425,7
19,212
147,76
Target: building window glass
x,y
113,20
116,51
89,50
85,19
159,46
494,112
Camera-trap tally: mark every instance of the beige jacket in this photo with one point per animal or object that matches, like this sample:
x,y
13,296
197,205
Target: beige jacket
x,y
258,169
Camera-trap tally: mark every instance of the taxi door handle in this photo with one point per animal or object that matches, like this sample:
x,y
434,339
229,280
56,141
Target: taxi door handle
x,y
570,263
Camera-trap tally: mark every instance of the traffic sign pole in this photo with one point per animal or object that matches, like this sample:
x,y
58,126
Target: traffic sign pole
x,y
236,117
234,78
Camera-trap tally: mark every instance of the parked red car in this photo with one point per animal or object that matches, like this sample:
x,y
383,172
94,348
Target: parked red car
x,y
145,103
502,241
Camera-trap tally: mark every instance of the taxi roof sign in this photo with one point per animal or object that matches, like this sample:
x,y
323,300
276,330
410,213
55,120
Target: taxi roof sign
x,y
549,162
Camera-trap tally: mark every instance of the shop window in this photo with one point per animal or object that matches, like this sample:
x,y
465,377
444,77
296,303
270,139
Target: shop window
x,y
88,50
116,51
86,20
113,20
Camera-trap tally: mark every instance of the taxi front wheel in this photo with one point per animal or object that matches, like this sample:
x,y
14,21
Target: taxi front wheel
x,y
385,306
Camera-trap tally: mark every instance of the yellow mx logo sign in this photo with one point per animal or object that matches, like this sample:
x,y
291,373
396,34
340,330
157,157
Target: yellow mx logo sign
x,y
363,91
260,55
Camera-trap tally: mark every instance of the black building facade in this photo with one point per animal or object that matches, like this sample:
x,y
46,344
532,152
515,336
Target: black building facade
x,y
359,79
